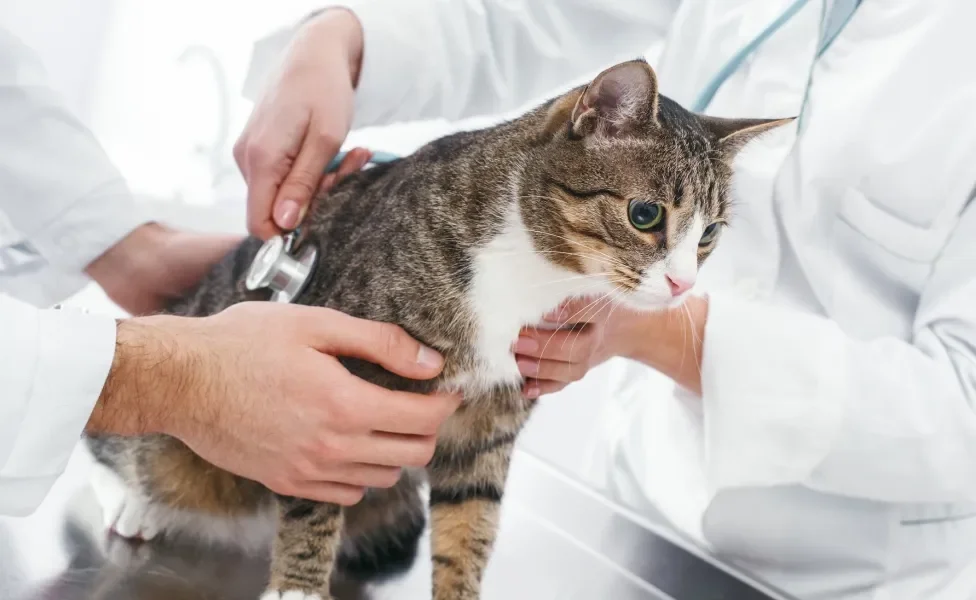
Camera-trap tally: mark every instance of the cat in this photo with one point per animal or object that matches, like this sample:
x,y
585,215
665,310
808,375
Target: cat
x,y
609,188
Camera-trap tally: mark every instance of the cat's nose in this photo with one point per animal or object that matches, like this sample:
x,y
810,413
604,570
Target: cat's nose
x,y
679,285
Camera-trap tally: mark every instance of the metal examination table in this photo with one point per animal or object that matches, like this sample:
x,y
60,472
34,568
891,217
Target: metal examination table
x,y
559,540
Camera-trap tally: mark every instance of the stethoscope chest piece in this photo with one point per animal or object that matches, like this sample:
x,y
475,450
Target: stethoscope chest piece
x,y
274,267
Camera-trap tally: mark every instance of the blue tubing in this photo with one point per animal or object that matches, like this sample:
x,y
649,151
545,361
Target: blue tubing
x,y
379,157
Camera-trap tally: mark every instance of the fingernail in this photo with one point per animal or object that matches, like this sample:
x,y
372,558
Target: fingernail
x,y
287,214
526,345
528,368
428,357
532,392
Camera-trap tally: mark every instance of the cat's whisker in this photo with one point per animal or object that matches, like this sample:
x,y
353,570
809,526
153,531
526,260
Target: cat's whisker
x,y
576,277
609,299
694,337
615,306
611,259
568,321
631,283
572,241
585,311
612,301
497,254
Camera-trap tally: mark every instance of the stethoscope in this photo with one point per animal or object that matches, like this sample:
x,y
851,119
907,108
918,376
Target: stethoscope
x,y
282,264
285,267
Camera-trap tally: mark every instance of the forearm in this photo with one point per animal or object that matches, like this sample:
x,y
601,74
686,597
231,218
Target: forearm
x,y
136,257
671,341
147,383
154,264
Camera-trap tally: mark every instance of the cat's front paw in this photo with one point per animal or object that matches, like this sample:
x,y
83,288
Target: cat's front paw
x,y
290,595
123,510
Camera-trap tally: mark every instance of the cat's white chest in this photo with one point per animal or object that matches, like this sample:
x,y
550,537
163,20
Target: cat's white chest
x,y
513,286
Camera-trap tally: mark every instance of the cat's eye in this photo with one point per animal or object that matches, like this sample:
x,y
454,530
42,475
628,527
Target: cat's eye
x,y
709,234
645,215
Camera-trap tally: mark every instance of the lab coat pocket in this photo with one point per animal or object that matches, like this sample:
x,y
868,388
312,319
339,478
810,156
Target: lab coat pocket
x,y
890,232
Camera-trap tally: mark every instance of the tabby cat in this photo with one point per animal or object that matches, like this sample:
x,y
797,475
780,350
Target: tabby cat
x,y
608,189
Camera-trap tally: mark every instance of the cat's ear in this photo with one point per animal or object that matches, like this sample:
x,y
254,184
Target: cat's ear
x,y
732,134
621,100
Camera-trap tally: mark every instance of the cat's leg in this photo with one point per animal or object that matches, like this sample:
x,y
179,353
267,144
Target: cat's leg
x,y
125,510
467,481
305,550
381,533
153,485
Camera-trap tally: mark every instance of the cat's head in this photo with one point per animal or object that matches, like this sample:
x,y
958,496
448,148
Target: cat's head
x,y
630,189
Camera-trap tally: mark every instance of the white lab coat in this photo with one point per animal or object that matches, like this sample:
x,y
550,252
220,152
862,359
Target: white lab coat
x,y
834,449
62,204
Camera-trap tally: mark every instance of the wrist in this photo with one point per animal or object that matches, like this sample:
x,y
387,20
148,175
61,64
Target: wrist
x,y
340,29
671,341
147,382
134,257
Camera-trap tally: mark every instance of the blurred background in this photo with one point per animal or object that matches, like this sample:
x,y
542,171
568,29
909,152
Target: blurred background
x,y
159,83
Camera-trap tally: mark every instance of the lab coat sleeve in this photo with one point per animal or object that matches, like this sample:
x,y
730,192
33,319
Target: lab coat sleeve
x,y
58,190
429,59
789,398
53,364
62,204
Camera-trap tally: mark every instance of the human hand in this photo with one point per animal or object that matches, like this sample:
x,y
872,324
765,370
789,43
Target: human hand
x,y
154,265
552,358
300,123
257,391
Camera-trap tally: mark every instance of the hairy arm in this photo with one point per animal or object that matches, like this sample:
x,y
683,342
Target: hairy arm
x,y
150,376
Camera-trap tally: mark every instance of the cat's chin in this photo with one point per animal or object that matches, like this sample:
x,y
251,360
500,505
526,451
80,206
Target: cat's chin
x,y
648,303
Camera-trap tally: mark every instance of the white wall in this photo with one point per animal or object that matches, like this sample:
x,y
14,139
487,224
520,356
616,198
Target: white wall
x,y
69,36
159,84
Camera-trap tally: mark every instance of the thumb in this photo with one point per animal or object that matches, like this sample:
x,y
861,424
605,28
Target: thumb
x,y
296,191
383,344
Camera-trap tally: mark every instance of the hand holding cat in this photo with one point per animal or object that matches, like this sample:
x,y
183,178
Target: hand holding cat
x,y
300,123
550,358
669,341
257,390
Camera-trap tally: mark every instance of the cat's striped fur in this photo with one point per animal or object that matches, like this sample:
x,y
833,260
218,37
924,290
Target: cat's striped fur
x,y
463,243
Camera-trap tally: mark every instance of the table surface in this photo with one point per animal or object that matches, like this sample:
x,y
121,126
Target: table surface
x,y
558,540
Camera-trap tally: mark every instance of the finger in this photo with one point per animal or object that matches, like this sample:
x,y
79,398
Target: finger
x,y
353,162
394,450
295,194
551,370
328,182
402,412
581,310
383,344
568,346
320,491
262,183
362,475
533,388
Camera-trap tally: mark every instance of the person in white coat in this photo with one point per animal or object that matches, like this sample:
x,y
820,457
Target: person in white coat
x,y
830,410
255,389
